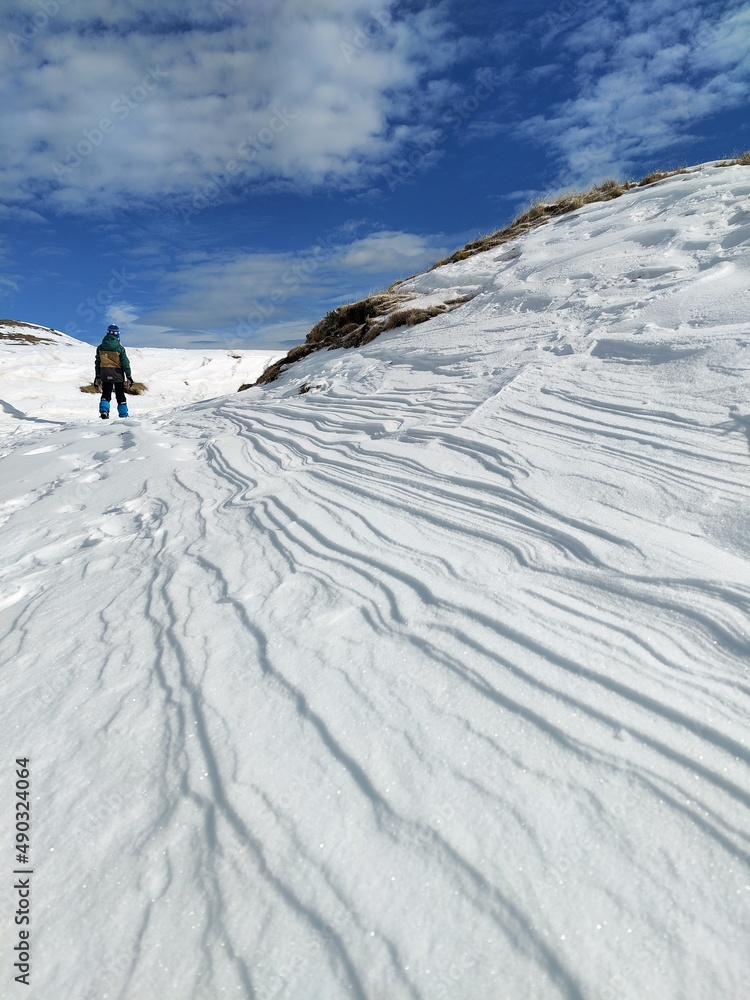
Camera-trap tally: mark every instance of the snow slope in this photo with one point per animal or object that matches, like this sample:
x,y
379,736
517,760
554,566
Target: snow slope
x,y
41,381
430,682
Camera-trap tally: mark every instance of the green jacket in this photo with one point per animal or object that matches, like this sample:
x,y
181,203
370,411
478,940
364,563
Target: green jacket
x,y
111,360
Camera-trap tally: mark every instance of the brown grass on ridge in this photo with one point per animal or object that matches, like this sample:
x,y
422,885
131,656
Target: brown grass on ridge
x,y
360,322
536,215
23,338
738,160
541,211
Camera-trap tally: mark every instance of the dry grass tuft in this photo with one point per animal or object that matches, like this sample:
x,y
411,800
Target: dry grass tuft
x,y
350,325
660,175
411,317
738,160
136,389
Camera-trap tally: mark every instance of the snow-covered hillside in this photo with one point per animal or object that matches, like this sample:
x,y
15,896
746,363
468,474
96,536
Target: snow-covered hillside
x,y
428,682
42,371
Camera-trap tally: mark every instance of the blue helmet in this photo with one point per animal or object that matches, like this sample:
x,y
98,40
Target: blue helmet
x,y
113,331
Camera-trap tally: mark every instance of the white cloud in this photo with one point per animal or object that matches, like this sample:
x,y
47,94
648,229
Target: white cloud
x,y
51,250
8,284
121,312
390,251
8,280
15,213
646,75
102,105
280,295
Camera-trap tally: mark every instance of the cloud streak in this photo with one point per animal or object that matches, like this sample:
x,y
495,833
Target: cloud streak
x,y
8,280
645,75
269,297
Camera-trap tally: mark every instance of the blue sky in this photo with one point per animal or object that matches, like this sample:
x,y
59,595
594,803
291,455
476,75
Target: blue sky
x,y
223,172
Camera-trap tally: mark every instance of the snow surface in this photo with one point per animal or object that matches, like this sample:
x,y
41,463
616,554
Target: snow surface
x,y
429,682
42,382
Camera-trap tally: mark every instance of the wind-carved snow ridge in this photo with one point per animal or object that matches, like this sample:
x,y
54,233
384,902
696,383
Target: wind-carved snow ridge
x,y
430,682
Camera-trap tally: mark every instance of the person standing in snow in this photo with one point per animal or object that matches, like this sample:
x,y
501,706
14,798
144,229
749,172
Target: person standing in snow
x,y
112,369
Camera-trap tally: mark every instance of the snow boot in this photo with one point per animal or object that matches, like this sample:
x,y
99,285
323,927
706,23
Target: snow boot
x,y
104,409
122,409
